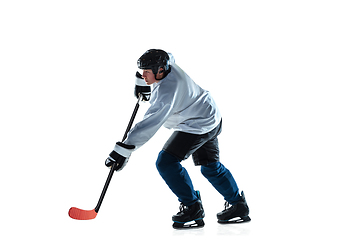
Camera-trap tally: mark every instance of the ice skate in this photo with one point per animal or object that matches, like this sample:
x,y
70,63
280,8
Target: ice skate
x,y
190,216
237,213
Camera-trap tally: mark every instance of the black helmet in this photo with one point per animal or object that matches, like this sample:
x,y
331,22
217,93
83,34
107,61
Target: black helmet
x,y
154,59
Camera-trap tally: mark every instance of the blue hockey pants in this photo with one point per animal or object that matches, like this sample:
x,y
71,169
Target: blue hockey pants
x,y
178,179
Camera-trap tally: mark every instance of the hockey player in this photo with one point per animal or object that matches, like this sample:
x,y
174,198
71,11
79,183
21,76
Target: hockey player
x,y
178,103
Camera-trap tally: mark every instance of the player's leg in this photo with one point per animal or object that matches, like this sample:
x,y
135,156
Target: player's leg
x,y
178,180
223,181
176,177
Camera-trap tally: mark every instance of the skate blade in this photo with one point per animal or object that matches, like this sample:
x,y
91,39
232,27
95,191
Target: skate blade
x,y
198,223
235,220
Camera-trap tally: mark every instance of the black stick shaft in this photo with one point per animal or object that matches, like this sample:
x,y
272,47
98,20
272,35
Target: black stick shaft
x,y
131,120
112,170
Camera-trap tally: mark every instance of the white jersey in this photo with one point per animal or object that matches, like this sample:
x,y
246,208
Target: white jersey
x,y
178,103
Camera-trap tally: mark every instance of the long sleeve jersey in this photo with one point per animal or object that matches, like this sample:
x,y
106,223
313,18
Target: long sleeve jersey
x,y
178,103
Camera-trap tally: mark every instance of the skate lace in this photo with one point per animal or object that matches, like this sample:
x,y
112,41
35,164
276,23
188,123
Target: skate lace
x,y
227,205
182,208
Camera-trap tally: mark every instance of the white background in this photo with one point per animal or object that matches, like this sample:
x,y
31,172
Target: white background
x,y
285,75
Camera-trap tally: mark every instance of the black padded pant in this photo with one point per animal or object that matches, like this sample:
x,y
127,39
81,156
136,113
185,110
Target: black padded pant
x,y
204,148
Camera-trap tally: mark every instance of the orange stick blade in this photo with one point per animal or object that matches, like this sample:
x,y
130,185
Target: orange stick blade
x,y
79,214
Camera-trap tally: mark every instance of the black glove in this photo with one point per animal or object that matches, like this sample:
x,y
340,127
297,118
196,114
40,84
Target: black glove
x,y
142,88
120,155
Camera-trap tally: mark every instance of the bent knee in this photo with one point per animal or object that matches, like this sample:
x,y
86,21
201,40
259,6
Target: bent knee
x,y
210,169
164,160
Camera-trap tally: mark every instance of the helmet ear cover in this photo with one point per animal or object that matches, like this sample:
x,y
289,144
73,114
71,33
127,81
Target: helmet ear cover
x,y
155,69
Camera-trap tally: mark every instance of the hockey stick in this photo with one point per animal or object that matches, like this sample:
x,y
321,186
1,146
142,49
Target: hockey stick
x,y
80,214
